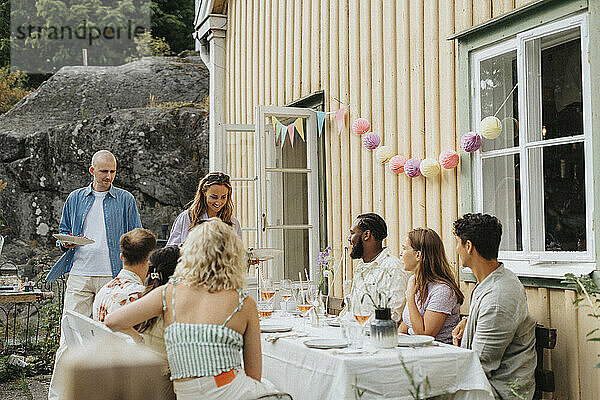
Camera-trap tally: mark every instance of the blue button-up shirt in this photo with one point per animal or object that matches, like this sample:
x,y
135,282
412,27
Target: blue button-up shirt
x,y
120,216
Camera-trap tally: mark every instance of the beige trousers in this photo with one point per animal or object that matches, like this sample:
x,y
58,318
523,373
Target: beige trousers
x,y
79,297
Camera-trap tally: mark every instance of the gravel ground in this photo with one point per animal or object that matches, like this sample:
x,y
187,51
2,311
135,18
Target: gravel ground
x,y
35,388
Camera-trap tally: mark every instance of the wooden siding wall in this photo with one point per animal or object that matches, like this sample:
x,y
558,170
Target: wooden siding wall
x,y
391,62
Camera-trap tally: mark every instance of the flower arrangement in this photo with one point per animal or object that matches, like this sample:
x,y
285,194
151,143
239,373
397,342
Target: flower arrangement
x,y
325,261
376,293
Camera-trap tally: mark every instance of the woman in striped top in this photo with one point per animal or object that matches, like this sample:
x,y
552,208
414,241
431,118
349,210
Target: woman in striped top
x,y
209,321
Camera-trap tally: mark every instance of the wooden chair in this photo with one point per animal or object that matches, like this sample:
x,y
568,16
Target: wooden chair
x,y
334,304
545,338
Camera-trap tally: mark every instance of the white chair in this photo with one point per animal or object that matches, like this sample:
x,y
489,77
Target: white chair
x,y
79,330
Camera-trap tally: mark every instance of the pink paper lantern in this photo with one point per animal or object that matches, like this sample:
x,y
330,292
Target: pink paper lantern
x,y
397,164
448,159
470,142
360,126
411,168
371,140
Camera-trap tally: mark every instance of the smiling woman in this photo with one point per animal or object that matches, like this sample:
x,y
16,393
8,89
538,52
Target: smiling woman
x,y
213,199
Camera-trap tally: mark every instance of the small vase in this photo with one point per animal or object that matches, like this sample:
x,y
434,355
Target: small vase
x,y
384,334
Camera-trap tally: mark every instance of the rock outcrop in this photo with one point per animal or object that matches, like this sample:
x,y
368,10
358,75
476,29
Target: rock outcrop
x,y
47,141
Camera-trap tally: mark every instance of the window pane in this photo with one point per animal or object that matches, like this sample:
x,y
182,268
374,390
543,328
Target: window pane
x,y
287,198
557,192
561,114
498,76
295,258
502,197
240,165
288,156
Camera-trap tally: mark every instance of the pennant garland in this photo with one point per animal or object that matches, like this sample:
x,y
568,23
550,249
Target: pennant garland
x,y
281,130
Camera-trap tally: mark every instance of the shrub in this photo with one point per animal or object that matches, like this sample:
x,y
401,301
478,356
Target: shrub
x,y
12,88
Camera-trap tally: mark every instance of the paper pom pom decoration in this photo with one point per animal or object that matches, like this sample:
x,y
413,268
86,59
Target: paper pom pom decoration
x,y
448,159
429,167
360,126
470,142
383,154
411,167
490,127
371,140
397,164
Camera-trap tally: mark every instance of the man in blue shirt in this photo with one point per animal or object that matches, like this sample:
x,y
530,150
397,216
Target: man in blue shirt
x,y
103,213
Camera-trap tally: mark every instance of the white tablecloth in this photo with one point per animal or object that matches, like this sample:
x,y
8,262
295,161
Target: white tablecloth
x,y
311,374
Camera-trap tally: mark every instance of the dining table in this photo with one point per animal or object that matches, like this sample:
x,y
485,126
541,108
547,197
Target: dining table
x,y
417,372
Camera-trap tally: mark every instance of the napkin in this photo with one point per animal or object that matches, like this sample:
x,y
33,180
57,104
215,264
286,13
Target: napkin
x,y
273,337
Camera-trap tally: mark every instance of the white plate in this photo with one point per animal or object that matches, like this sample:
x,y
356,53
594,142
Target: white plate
x,y
266,253
334,322
326,343
273,328
414,340
73,239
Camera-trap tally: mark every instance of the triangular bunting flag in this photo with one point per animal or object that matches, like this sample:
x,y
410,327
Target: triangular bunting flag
x,y
299,124
340,117
320,121
283,129
290,129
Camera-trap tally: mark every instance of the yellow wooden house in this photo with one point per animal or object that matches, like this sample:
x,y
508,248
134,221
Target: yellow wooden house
x,y
423,73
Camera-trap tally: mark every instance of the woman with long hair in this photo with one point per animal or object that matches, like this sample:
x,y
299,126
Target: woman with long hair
x,y
433,297
161,268
209,321
213,199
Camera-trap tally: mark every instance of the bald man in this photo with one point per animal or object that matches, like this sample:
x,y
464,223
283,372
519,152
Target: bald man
x,y
100,212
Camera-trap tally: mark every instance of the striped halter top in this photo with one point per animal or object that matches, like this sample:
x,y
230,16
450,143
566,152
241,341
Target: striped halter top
x,y
196,350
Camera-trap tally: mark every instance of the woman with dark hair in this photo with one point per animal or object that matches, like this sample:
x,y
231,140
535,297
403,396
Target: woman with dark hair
x,y
213,199
162,265
433,297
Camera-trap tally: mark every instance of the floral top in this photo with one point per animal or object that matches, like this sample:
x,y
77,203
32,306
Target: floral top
x,y
123,289
384,275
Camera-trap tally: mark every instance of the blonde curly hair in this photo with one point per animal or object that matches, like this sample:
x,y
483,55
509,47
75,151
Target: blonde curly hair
x,y
212,256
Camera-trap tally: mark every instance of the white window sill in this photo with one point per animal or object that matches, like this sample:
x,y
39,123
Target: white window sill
x,y
525,269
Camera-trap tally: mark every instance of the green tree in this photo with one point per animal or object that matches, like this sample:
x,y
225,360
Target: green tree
x,y
4,33
174,21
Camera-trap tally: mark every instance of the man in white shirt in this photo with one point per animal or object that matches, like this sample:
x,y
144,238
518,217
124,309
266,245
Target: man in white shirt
x,y
100,212
379,274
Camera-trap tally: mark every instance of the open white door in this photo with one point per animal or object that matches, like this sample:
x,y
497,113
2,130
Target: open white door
x,y
240,165
288,192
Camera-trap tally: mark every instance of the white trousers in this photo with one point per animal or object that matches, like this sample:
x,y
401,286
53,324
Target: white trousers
x,y
242,387
79,297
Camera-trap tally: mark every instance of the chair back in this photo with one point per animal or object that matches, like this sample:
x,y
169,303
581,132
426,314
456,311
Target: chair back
x,y
80,330
275,396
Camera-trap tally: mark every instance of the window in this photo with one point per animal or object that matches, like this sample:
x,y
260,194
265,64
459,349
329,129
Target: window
x,y
536,176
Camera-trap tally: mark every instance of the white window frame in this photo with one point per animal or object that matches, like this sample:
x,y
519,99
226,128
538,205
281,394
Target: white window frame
x,y
544,264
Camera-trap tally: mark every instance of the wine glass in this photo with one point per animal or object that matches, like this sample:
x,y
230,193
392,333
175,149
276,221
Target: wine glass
x,y
306,300
361,310
265,309
267,290
285,291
